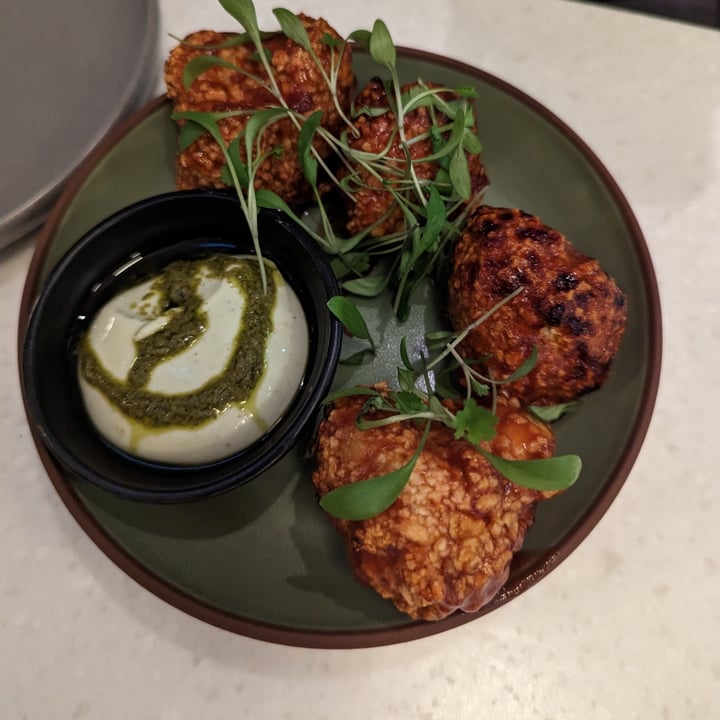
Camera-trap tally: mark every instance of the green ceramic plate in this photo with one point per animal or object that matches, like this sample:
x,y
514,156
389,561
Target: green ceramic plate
x,y
263,560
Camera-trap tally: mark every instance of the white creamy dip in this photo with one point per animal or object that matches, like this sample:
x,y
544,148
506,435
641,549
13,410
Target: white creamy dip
x,y
113,343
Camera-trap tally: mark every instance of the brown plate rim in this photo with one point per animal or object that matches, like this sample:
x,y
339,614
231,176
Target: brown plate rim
x,y
414,630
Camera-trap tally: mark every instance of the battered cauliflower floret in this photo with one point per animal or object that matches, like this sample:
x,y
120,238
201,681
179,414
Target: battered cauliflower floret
x,y
221,89
571,310
372,202
447,541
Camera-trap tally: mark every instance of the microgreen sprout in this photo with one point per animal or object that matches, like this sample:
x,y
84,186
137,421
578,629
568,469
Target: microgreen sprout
x,y
432,210
354,324
551,413
417,400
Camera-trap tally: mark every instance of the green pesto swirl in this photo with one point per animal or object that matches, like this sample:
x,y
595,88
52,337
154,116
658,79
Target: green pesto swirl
x,y
178,288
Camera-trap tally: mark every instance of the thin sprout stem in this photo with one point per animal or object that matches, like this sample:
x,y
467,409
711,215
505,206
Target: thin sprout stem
x,y
470,371
403,140
250,216
331,81
451,346
364,424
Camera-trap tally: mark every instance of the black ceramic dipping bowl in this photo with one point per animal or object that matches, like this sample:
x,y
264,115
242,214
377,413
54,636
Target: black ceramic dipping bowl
x,y
119,252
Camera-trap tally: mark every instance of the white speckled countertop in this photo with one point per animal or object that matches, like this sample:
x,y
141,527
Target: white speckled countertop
x,y
627,627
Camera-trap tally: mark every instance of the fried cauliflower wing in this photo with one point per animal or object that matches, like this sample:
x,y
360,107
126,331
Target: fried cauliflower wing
x,y
221,89
571,310
447,541
373,204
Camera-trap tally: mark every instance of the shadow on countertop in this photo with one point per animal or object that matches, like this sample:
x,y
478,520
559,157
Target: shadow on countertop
x,y
699,12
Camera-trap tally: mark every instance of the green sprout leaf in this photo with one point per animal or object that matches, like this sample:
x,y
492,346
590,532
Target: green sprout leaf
x,y
406,379
346,312
408,403
480,389
292,27
268,199
361,37
304,146
189,133
471,143
555,473
551,413
369,111
474,423
527,366
443,146
369,286
330,41
205,121
404,354
258,121
237,163
225,175
460,174
244,12
436,217
366,498
439,339
350,392
466,91
350,262
381,45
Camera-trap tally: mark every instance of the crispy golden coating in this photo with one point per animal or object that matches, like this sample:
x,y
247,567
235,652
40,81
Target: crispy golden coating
x,y
372,202
447,541
570,309
220,89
